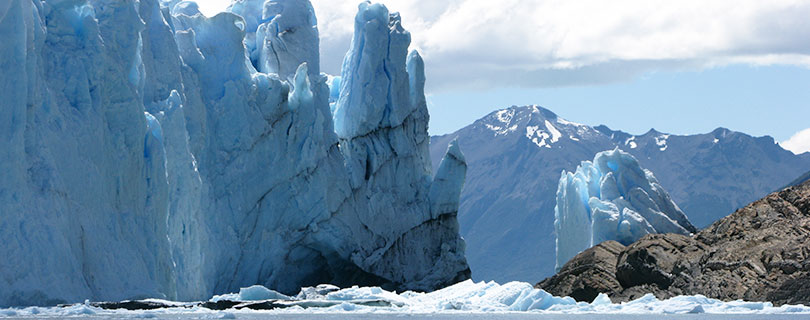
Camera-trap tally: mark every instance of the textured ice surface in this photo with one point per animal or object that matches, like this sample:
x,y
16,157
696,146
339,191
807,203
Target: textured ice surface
x,y
150,151
381,122
280,35
463,298
611,198
374,83
252,293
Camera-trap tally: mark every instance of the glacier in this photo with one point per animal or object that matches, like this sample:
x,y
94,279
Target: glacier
x,y
611,198
464,299
149,151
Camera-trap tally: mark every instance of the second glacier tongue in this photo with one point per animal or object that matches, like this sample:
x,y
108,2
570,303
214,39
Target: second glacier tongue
x,y
612,198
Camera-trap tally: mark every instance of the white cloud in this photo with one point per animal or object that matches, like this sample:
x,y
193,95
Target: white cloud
x,y
565,42
798,143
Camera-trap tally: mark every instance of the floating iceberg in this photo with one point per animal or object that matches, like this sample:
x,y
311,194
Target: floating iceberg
x,y
150,151
464,298
611,198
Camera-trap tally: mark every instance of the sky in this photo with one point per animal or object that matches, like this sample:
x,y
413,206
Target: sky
x,y
681,67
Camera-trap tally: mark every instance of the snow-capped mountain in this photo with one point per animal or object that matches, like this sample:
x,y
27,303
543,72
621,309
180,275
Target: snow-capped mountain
x,y
149,151
515,157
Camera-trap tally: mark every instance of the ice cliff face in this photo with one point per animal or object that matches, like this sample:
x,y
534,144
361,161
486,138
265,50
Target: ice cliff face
x,y
611,198
150,151
381,121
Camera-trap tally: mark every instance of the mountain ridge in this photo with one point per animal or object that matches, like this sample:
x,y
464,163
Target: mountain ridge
x,y
515,156
801,179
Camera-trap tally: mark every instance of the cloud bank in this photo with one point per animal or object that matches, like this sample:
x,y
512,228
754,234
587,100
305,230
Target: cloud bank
x,y
798,143
545,43
537,43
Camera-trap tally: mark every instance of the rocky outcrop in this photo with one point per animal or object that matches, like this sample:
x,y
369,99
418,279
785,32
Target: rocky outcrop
x,y
758,253
588,273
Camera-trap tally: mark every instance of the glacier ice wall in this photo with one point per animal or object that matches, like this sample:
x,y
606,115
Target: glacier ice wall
x,y
150,151
611,198
381,122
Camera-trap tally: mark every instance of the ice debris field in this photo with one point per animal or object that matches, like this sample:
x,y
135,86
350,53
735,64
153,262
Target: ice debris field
x,y
464,297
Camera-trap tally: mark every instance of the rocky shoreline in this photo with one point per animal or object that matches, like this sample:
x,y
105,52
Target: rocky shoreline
x,y
758,253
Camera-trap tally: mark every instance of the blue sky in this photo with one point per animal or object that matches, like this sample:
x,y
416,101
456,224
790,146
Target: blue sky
x,y
680,67
758,100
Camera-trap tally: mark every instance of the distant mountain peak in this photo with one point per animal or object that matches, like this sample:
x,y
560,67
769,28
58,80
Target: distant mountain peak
x,y
720,131
652,132
509,194
515,113
541,126
546,113
545,128
615,135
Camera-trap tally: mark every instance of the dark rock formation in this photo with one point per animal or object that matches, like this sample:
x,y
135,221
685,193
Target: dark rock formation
x,y
588,273
141,305
759,253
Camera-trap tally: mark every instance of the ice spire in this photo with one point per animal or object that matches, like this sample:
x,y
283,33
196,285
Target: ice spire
x,y
611,198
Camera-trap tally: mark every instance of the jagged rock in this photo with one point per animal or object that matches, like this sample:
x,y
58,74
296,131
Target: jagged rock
x,y
589,273
758,253
656,259
146,305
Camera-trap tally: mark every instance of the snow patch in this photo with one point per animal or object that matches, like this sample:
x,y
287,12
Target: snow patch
x,y
555,134
499,131
631,142
505,116
581,129
543,138
569,123
661,141
530,130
